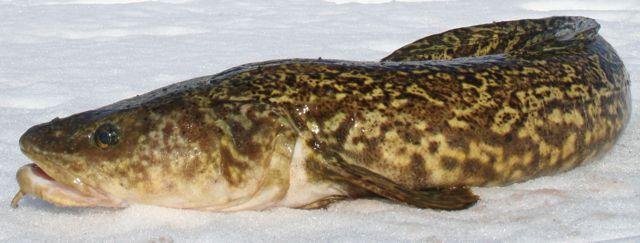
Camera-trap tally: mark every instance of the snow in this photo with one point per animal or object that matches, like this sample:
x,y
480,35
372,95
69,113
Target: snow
x,y
58,57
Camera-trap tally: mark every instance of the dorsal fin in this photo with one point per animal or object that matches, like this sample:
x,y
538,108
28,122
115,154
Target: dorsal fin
x,y
519,37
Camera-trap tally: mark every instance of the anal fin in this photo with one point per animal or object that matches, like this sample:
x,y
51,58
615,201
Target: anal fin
x,y
454,198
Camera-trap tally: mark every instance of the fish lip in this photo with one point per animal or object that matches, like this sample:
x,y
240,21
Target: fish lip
x,y
59,177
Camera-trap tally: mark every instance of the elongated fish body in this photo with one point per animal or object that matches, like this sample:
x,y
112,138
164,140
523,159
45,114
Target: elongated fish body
x,y
484,105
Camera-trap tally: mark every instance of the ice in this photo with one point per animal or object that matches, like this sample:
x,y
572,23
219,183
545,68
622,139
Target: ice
x,y
71,2
58,57
378,1
597,5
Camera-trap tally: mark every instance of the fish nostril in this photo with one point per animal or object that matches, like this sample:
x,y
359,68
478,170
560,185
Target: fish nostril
x,y
25,140
28,139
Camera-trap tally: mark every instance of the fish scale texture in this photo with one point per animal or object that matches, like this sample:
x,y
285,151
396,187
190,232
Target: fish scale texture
x,y
59,57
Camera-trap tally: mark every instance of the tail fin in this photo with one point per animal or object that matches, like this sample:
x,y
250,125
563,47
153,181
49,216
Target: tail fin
x,y
519,37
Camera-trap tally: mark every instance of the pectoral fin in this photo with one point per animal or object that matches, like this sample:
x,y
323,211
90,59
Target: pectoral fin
x,y
454,198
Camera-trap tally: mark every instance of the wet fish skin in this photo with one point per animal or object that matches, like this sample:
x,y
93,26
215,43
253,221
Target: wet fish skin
x,y
458,109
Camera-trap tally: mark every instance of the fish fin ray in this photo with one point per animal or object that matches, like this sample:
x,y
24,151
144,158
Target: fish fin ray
x,y
514,38
324,202
452,198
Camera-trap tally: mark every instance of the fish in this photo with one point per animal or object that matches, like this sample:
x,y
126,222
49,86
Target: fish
x,y
485,105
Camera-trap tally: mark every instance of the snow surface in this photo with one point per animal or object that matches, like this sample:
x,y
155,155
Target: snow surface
x,y
58,57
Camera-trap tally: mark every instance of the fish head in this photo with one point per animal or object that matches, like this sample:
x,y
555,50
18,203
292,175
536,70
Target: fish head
x,y
179,152
71,157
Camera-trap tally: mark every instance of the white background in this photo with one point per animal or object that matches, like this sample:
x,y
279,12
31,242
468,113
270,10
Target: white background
x,y
59,57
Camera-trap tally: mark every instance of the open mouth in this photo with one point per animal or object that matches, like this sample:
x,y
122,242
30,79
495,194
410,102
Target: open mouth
x,y
33,180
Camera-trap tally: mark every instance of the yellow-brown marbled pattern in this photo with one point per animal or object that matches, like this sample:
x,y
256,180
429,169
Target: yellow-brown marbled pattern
x,y
499,38
485,105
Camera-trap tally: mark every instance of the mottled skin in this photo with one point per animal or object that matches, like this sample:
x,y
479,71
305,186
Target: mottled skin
x,y
479,106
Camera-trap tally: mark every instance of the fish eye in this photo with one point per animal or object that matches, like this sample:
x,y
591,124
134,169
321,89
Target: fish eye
x,y
106,135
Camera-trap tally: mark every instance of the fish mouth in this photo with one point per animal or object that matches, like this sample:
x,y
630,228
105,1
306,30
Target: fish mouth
x,y
51,181
36,181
